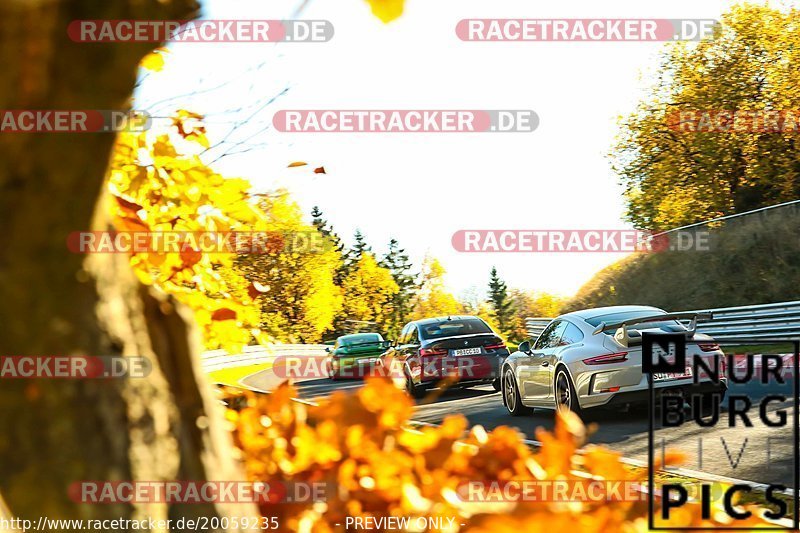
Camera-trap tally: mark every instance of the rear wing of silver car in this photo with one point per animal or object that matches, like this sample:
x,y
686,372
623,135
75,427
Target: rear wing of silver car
x,y
622,334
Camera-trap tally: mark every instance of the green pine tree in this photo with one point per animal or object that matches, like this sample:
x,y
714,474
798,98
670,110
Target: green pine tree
x,y
326,229
398,263
359,247
500,302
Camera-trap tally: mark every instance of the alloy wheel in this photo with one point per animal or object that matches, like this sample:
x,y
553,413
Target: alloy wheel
x,y
563,392
508,391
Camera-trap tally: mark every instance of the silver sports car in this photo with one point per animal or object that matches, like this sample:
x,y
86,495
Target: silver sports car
x,y
593,358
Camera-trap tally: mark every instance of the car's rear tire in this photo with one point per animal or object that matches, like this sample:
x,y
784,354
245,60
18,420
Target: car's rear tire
x,y
497,384
511,396
566,397
414,390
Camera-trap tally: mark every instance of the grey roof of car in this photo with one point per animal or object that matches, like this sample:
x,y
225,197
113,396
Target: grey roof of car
x,y
439,319
600,311
358,335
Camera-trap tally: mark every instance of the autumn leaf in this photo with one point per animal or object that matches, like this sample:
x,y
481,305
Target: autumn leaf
x,y
223,314
191,257
256,289
190,126
386,10
297,164
127,207
126,216
319,170
154,61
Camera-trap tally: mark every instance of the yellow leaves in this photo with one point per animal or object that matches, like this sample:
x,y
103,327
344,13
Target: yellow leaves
x,y
368,291
604,463
358,443
190,126
433,299
159,188
163,147
673,178
297,268
154,61
194,193
386,10
393,406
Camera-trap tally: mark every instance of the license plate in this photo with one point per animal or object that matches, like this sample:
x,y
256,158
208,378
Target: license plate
x,y
467,351
669,376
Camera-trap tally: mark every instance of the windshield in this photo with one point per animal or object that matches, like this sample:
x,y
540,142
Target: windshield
x,y
450,328
665,325
355,340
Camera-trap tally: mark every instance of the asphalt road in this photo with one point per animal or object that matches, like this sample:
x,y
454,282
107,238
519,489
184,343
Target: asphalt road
x,y
760,453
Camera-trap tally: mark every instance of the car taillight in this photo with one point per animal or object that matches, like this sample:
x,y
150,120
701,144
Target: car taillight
x,y
709,347
495,346
432,351
607,358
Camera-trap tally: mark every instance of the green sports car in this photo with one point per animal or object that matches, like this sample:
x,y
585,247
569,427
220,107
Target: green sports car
x,y
355,355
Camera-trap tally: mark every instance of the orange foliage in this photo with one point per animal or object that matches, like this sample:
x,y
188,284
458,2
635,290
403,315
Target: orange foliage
x,y
360,446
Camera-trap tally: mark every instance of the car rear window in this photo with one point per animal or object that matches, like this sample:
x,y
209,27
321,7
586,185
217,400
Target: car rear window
x,y
666,325
453,327
361,339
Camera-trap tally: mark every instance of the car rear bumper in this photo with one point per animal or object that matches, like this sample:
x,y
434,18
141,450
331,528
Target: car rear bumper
x,y
356,367
485,370
687,390
598,386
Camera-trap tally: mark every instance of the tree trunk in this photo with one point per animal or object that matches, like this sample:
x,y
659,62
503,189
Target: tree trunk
x,y
53,302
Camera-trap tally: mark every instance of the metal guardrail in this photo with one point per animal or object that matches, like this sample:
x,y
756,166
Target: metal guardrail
x,y
758,322
251,355
794,205
536,325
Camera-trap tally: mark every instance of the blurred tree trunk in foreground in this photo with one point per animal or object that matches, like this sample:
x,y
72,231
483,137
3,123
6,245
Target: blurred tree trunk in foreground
x,y
55,432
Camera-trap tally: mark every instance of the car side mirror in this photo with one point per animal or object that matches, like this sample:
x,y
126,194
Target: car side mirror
x,y
525,347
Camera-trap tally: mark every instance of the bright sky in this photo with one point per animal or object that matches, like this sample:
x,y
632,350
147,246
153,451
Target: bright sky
x,y
421,188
